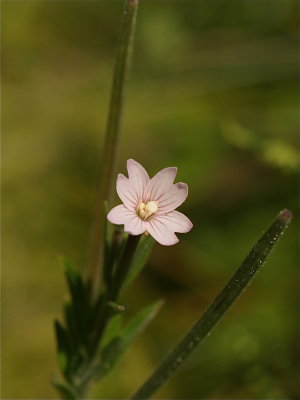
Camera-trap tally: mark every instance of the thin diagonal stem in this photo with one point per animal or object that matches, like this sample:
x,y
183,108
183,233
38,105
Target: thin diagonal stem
x,y
112,135
218,307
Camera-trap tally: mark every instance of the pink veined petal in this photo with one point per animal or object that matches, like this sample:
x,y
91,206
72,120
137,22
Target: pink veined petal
x,y
126,192
138,177
160,183
161,233
120,215
175,220
172,198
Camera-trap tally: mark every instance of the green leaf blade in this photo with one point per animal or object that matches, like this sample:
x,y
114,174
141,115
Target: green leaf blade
x,y
78,310
140,322
228,295
115,349
63,349
112,330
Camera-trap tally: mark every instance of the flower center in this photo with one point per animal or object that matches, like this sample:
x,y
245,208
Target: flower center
x,y
144,211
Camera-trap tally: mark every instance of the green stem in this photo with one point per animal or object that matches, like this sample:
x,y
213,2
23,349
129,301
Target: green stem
x,y
115,286
124,266
218,307
112,136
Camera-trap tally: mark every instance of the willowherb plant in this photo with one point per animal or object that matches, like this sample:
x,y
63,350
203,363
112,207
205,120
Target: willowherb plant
x,y
92,337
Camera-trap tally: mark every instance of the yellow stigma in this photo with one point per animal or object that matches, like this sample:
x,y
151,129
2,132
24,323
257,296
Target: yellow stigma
x,y
144,211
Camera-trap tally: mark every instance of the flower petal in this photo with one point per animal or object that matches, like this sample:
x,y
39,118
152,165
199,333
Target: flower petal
x,y
175,220
159,184
126,192
160,232
138,177
172,198
120,215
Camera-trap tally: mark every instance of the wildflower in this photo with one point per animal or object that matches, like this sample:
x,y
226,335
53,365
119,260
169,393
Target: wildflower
x,y
149,204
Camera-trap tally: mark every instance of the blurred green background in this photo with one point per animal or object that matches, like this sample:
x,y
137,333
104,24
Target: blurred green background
x,y
213,90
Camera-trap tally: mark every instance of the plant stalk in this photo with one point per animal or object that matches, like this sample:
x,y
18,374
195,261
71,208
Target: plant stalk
x,y
218,307
124,265
116,285
111,142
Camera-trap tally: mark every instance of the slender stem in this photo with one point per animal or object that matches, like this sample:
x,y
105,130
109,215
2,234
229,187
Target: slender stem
x,y
116,285
218,307
112,135
124,265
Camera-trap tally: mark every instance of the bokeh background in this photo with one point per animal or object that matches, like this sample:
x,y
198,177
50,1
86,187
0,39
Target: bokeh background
x,y
213,90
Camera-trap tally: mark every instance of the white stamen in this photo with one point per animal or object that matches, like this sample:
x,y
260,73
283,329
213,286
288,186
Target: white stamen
x,y
151,207
142,206
145,211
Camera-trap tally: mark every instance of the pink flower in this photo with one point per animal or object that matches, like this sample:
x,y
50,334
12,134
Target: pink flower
x,y
149,204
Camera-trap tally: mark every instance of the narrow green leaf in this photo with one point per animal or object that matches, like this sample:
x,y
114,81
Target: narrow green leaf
x,y
79,305
140,322
111,354
64,390
63,350
140,258
78,352
75,283
231,291
71,324
112,330
97,308
119,344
